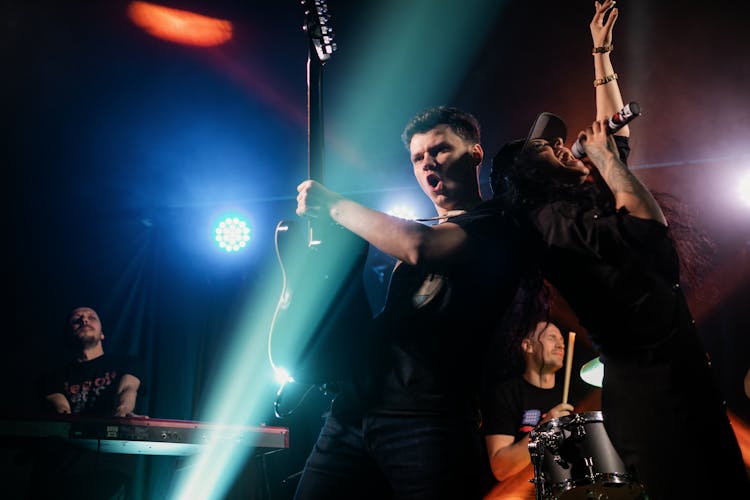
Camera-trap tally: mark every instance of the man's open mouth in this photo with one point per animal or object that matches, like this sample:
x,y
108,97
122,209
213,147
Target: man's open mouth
x,y
433,180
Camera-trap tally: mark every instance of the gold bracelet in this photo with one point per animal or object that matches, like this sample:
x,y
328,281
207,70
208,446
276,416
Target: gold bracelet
x,y
603,49
606,79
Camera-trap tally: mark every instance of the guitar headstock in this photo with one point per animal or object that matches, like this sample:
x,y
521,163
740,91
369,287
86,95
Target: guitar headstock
x,y
318,28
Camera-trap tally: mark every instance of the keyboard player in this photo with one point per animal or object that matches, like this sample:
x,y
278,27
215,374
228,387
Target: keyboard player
x,y
92,383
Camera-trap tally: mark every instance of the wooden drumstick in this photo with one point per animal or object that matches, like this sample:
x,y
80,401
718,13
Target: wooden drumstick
x,y
568,365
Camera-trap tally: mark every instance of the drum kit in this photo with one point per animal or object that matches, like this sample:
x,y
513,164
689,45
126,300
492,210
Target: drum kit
x,y
574,459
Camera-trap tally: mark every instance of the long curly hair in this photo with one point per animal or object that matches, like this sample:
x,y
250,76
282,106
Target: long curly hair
x,y
695,248
525,184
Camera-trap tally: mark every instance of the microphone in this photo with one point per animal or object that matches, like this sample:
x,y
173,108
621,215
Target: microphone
x,y
614,123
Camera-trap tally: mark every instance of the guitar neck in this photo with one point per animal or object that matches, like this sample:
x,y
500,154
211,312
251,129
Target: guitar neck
x,y
315,135
315,126
321,46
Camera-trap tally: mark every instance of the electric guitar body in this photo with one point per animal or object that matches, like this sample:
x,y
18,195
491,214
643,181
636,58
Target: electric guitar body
x,y
323,318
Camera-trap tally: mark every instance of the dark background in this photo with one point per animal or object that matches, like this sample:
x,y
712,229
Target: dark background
x,y
120,150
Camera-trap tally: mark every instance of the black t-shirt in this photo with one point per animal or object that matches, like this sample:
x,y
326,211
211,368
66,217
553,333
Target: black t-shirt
x,y
91,386
630,298
437,322
515,407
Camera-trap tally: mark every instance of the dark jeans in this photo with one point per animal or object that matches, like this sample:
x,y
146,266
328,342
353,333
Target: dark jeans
x,y
399,457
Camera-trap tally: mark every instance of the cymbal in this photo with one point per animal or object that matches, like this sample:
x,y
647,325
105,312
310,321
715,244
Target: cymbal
x,y
592,372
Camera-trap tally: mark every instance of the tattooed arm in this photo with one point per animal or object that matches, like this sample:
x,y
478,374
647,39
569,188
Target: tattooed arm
x,y
629,191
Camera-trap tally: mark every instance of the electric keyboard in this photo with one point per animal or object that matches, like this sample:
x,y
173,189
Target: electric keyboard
x,y
145,436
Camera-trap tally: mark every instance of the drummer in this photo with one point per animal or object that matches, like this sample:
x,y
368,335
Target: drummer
x,y
515,406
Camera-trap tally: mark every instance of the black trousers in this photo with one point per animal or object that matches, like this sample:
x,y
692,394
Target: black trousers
x,y
665,415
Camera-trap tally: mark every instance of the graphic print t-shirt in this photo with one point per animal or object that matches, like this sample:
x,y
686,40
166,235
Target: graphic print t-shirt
x,y
91,386
515,407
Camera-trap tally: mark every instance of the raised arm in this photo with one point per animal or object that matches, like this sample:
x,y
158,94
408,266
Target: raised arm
x,y
408,241
629,191
608,97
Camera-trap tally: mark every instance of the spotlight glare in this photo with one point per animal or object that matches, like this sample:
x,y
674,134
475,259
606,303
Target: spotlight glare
x,y
282,376
402,212
232,234
743,189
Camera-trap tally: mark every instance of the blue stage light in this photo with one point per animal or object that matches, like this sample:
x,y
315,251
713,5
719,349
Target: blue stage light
x,y
232,234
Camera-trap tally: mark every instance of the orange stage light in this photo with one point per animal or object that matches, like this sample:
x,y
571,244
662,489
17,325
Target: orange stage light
x,y
516,487
179,26
742,431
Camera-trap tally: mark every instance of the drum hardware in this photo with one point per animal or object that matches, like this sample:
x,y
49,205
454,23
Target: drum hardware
x,y
579,432
588,462
573,459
